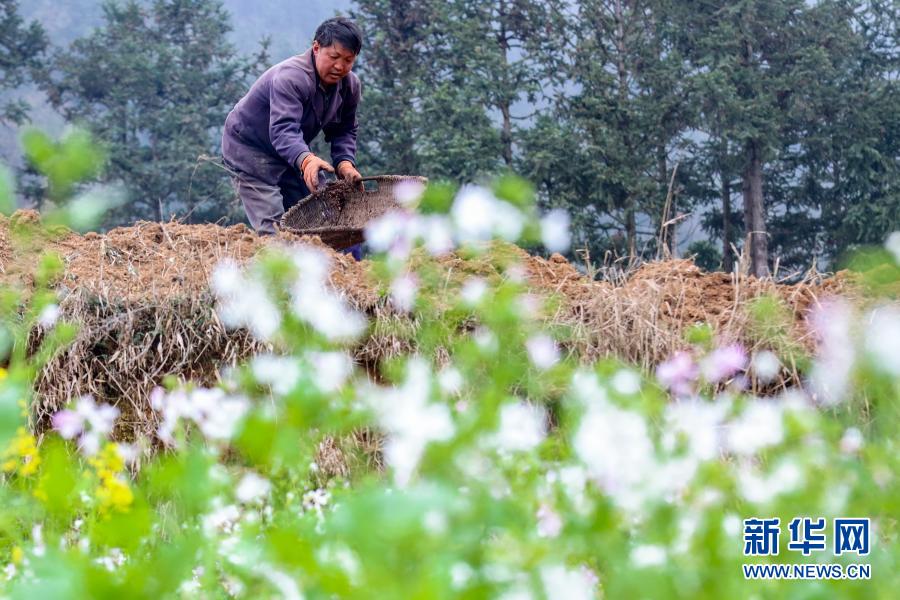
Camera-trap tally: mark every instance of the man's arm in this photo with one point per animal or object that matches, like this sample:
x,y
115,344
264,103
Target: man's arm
x,y
285,115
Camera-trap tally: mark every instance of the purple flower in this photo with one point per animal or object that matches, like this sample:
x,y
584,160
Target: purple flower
x,y
89,422
678,373
68,423
724,363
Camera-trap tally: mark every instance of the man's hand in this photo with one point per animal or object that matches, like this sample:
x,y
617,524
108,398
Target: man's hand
x,y
310,167
347,172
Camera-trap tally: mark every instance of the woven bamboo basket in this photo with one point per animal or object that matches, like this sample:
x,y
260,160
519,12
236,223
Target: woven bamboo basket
x,y
339,218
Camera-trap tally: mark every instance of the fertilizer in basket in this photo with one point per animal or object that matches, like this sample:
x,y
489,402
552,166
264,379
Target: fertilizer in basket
x,y
338,214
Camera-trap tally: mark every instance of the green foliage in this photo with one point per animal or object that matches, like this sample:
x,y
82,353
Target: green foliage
x,y
73,159
154,84
437,72
22,48
706,255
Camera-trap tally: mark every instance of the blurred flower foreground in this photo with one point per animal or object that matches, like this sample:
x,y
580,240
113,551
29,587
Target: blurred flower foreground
x,y
488,463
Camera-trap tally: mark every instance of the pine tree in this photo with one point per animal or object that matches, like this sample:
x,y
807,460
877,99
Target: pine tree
x,y
441,81
22,50
154,84
623,124
392,70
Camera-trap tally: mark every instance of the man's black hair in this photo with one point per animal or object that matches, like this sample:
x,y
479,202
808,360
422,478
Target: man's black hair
x,y
341,30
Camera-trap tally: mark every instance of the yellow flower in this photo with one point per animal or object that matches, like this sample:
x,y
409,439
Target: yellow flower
x,y
113,493
21,455
3,373
17,555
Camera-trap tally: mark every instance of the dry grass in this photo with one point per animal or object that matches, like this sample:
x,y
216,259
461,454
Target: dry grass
x,y
142,298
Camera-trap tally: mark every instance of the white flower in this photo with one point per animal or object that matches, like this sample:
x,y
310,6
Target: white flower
x,y
472,213
403,292
851,441
450,380
522,427
478,216
698,423
281,373
766,366
128,452
562,582
599,442
49,315
312,263
410,420
555,230
549,522
220,422
330,317
315,500
284,583
473,290
732,525
830,374
759,426
573,480
244,302
893,245
330,370
217,413
37,537
435,522
542,351
648,555
883,339
437,234
626,382
392,233
223,518
460,575
252,488
115,559
313,302
408,192
227,278
485,340
586,388
508,221
529,306
785,478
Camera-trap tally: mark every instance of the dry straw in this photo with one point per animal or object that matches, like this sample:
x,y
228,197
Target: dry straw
x,y
142,298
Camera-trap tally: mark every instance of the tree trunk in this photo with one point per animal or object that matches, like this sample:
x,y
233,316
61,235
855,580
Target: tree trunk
x,y
631,229
754,210
727,257
622,73
668,212
506,136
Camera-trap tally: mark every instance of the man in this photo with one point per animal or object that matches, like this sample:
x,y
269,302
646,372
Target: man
x,y
267,134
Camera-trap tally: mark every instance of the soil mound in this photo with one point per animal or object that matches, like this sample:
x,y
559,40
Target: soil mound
x,y
141,294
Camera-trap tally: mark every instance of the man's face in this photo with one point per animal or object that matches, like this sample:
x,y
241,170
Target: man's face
x,y
332,62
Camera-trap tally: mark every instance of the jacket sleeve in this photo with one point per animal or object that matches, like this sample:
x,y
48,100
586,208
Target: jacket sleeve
x,y
342,135
286,100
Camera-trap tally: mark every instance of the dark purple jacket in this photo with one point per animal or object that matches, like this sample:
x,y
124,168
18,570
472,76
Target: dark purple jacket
x,y
284,110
